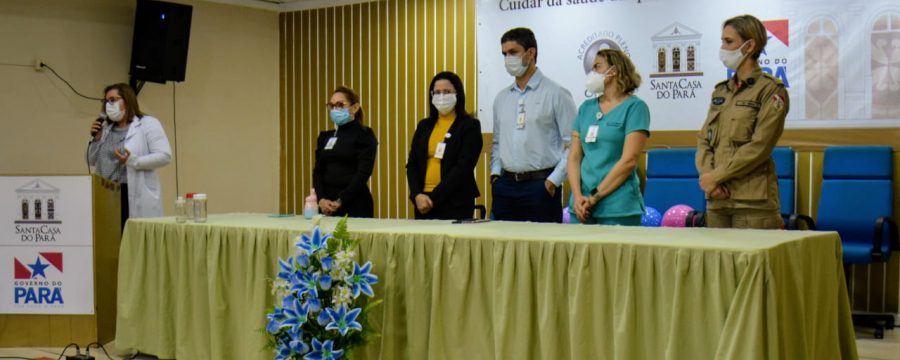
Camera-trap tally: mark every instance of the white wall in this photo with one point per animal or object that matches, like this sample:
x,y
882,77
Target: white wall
x,y
227,107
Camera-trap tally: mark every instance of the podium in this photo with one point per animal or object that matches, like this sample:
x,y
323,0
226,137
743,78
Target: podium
x,y
96,209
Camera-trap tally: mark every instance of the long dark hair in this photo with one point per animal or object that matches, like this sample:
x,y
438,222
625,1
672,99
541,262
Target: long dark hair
x,y
132,108
352,98
460,94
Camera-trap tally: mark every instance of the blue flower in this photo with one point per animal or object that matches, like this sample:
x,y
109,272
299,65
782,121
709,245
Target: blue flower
x,y
288,301
314,243
303,260
326,262
284,352
306,284
275,317
323,351
361,280
297,345
323,318
295,316
325,282
287,269
343,320
313,304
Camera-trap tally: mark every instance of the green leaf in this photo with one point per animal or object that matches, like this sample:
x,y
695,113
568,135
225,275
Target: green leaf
x,y
373,304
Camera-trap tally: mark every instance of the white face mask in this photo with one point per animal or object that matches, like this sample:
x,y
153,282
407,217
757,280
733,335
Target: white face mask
x,y
732,58
113,111
596,82
445,103
515,66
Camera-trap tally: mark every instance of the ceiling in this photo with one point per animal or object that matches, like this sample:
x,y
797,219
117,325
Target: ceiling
x,y
288,5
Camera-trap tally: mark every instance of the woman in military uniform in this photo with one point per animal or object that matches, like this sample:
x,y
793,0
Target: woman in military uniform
x,y
745,121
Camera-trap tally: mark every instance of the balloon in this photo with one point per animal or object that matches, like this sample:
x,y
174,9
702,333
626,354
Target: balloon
x,y
676,216
651,217
566,215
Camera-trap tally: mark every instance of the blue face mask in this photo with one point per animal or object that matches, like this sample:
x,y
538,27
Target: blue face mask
x,y
340,116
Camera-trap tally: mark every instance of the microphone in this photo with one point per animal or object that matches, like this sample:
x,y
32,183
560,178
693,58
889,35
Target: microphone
x,y
102,118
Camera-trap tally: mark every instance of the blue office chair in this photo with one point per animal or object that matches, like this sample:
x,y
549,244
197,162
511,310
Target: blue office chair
x,y
857,202
672,179
784,168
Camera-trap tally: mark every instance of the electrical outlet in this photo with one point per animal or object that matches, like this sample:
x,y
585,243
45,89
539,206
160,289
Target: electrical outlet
x,y
38,65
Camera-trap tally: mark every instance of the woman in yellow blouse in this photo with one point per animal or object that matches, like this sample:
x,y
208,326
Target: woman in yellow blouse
x,y
443,154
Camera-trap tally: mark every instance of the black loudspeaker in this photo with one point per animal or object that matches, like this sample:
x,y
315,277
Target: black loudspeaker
x,y
160,46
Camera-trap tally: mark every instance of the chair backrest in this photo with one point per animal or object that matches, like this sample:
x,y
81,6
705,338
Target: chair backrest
x,y
785,169
856,190
672,179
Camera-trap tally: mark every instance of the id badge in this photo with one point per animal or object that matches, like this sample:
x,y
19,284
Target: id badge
x,y
330,144
592,133
520,114
520,121
439,150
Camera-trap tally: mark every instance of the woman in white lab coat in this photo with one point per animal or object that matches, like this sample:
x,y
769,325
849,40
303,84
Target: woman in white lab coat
x,y
128,146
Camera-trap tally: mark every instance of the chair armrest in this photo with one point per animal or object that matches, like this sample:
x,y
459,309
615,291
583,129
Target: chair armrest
x,y
878,238
795,219
482,211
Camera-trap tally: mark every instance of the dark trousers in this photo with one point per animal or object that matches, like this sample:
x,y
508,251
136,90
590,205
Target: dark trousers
x,y
361,207
525,201
457,210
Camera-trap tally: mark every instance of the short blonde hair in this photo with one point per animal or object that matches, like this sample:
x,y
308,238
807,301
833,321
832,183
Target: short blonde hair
x,y
749,27
628,79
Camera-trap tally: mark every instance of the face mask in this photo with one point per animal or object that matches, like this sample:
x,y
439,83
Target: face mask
x,y
515,66
340,116
732,58
445,103
596,82
113,112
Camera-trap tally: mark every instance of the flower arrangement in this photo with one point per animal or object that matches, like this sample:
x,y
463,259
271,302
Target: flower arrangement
x,y
321,312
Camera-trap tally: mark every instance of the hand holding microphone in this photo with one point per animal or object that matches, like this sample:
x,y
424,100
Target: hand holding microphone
x,y
97,126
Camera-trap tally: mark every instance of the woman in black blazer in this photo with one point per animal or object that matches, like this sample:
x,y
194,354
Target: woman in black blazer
x,y
345,158
440,169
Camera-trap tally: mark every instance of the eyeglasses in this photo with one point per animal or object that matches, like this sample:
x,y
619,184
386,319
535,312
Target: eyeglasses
x,y
337,105
111,100
442,92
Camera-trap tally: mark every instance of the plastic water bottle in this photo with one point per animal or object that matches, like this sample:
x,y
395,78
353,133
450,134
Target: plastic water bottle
x,y
311,207
200,208
189,206
180,210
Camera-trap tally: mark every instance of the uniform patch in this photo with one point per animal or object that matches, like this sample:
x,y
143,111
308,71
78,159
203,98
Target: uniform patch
x,y
718,100
777,101
748,103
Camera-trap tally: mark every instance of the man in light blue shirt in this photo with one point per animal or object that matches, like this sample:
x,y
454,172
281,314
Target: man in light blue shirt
x,y
532,130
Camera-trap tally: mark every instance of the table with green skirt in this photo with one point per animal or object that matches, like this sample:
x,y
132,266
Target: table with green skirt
x,y
499,290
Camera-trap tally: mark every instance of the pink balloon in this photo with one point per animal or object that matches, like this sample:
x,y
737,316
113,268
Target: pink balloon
x,y
676,216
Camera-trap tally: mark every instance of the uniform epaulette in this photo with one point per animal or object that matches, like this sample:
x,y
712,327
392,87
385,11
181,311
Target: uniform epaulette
x,y
774,79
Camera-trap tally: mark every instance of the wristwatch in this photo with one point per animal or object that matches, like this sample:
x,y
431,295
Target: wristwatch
x,y
594,192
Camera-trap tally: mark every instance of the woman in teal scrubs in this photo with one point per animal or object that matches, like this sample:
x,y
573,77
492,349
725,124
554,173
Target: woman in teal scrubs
x,y
608,137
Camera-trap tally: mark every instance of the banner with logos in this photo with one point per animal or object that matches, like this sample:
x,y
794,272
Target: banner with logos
x,y
46,245
839,60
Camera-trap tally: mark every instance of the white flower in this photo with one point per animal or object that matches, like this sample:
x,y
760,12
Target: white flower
x,y
342,295
280,288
